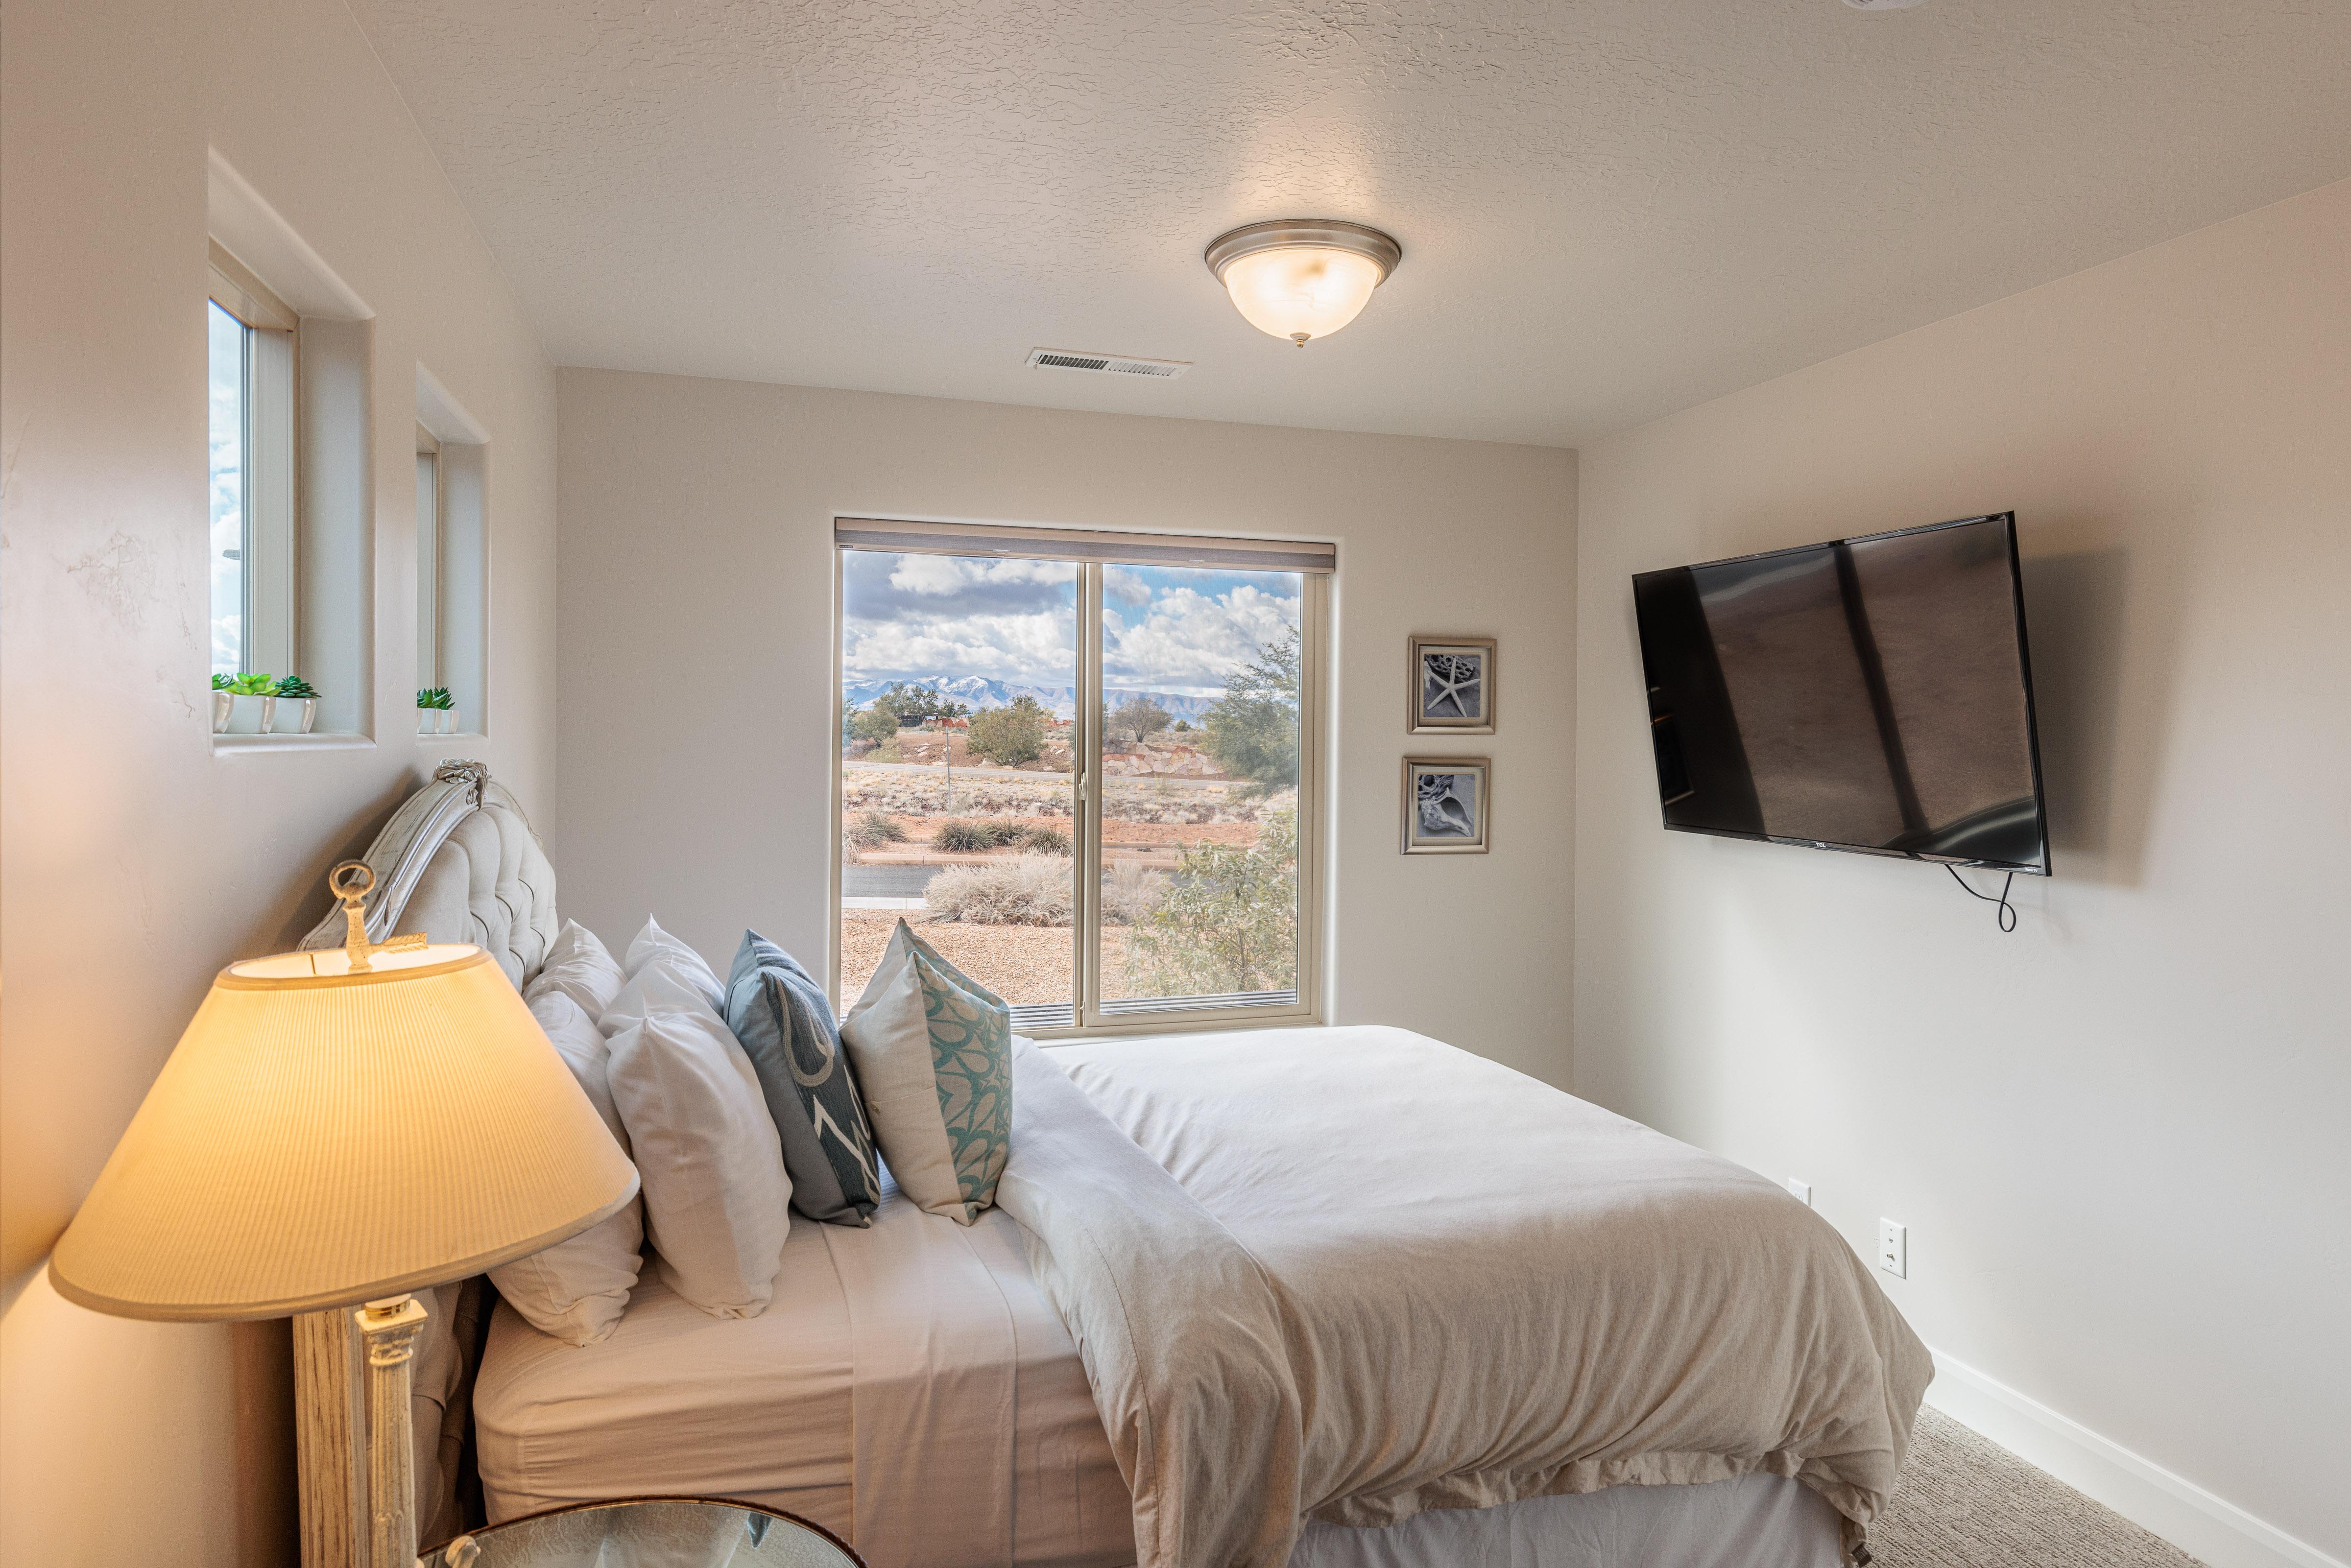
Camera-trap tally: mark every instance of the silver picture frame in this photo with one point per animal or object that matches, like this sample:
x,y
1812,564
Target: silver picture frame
x,y
1449,685
1449,805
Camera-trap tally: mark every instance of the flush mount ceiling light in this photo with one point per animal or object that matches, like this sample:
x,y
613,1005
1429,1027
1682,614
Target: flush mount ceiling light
x,y
1301,278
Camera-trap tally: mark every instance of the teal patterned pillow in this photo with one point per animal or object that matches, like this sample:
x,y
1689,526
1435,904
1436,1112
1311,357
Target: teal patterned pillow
x,y
933,1050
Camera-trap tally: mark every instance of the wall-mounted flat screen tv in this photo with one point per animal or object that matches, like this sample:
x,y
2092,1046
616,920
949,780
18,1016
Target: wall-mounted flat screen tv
x,y
1869,693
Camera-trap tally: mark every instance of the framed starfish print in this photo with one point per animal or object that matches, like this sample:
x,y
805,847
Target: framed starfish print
x,y
1452,686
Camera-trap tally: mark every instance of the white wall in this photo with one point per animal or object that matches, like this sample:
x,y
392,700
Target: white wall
x,y
697,717
137,862
2117,1136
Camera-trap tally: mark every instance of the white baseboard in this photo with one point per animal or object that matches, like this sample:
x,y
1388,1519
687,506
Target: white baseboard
x,y
2209,1529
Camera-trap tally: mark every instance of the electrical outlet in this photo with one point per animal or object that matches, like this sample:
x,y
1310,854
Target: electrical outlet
x,y
1894,1248
1802,1189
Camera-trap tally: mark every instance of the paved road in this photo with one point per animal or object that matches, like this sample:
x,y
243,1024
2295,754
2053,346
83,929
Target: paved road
x,y
932,770
886,880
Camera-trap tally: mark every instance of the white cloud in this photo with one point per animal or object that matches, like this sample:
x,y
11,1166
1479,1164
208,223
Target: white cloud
x,y
1036,649
1190,641
939,575
1010,619
1124,585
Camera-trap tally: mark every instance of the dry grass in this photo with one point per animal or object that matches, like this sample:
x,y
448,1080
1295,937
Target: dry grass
x,y
1021,890
1020,962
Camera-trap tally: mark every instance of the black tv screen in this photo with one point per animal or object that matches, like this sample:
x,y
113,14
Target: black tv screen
x,y
1869,693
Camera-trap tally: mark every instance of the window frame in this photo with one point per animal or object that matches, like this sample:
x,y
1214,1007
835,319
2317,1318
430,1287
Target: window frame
x,y
271,411
1090,1019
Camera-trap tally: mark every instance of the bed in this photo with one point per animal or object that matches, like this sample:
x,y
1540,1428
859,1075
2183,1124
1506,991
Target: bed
x,y
1331,1297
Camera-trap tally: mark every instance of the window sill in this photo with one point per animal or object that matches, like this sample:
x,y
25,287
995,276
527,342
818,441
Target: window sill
x,y
233,743
461,735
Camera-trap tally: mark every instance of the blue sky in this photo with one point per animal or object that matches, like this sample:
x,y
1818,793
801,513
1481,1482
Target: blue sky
x,y
1164,629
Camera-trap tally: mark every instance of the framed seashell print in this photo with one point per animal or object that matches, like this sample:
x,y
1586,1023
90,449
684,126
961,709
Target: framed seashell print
x,y
1446,802
1452,686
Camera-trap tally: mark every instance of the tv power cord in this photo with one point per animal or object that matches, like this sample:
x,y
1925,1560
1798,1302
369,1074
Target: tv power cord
x,y
2007,915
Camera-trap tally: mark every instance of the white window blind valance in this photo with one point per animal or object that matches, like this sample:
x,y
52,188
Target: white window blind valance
x,y
1082,544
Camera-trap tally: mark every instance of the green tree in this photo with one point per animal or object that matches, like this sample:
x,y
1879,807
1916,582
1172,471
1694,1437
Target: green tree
x,y
1011,735
876,723
1253,732
1229,923
1136,719
913,704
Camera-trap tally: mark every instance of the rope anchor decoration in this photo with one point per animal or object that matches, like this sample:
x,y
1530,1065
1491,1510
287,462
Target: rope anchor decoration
x,y
349,881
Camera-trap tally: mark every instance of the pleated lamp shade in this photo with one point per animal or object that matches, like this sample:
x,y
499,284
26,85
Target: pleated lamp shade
x,y
321,1137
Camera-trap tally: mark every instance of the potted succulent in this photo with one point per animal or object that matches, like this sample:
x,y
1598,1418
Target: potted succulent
x,y
252,704
436,712
224,701
297,707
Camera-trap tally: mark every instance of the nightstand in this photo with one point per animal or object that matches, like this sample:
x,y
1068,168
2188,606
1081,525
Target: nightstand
x,y
649,1533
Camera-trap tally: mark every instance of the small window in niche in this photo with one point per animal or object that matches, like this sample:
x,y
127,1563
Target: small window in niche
x,y
452,563
250,357
428,559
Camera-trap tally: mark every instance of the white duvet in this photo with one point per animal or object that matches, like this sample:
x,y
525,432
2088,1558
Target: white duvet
x,y
1352,1274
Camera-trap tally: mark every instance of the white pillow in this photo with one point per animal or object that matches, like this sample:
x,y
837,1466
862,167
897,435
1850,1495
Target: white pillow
x,y
575,1289
577,967
656,948
717,1196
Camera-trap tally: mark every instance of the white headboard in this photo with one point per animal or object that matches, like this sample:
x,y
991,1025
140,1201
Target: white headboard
x,y
459,863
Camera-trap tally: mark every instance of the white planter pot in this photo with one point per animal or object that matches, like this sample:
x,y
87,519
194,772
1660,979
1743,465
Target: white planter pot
x,y
293,716
222,703
249,716
436,721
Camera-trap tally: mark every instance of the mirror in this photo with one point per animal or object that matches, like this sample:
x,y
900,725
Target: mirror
x,y
647,1532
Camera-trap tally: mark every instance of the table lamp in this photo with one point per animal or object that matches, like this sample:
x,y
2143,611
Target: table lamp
x,y
338,1128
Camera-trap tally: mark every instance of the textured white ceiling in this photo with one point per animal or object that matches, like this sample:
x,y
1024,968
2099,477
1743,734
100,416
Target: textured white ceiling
x,y
1609,209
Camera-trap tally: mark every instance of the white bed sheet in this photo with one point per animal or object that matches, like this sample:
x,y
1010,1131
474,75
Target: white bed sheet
x,y
907,1388
910,1389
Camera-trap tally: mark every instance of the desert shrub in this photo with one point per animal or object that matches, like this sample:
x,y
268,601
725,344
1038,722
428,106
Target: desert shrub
x,y
1001,830
876,827
1026,890
962,836
1043,841
1011,735
1229,922
1132,892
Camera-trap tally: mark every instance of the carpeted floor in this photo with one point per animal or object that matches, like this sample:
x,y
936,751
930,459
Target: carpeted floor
x,y
1966,1502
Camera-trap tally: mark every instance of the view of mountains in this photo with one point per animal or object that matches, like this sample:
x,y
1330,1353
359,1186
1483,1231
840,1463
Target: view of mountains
x,y
977,692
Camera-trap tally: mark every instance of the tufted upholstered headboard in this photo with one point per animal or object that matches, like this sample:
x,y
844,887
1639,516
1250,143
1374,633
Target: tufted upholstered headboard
x,y
459,863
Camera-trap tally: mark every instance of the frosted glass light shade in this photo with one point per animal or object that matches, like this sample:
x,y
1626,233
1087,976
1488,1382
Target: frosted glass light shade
x,y
321,1137
1300,294
1304,279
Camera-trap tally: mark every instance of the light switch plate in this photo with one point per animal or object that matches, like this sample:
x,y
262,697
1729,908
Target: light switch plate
x,y
1802,1189
1894,1248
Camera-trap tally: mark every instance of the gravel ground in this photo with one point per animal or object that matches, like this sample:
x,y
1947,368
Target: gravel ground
x,y
1020,962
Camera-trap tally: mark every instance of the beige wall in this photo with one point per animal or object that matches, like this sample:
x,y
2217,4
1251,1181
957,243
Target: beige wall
x,y
697,719
2117,1136
137,861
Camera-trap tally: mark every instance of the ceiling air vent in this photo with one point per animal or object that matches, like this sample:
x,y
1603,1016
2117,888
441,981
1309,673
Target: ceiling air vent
x,y
1106,364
